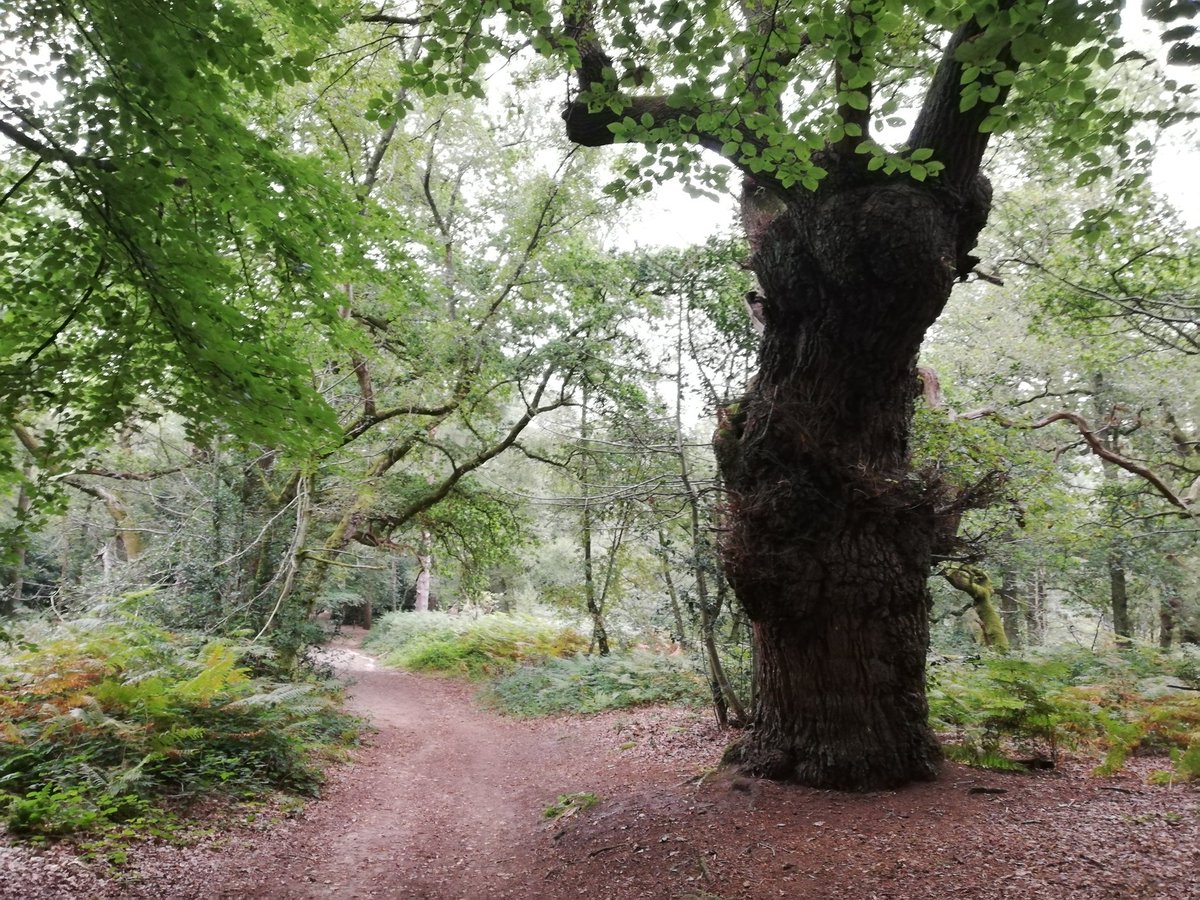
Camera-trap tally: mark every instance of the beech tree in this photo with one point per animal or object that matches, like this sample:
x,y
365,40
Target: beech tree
x,y
856,243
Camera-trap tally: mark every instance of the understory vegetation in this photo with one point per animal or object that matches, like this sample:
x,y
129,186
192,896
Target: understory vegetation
x,y
533,667
1020,712
470,646
119,722
996,711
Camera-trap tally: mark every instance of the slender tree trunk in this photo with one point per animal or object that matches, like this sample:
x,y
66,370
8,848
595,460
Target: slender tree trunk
x,y
1118,587
1115,561
680,634
1010,606
1187,625
599,632
724,696
505,602
831,532
10,599
424,573
1035,609
1166,620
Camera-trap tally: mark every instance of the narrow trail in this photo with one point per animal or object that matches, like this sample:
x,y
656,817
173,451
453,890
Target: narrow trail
x,y
446,800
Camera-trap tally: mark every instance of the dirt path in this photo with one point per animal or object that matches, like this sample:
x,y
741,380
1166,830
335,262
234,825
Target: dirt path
x,y
445,801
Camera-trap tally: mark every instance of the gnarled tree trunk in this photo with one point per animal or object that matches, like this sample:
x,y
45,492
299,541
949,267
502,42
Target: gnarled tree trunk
x,y
831,532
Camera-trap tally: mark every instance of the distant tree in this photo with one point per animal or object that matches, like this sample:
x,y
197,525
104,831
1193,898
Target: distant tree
x,y
1097,345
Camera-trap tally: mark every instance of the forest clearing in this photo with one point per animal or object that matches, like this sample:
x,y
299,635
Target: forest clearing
x,y
753,444
447,800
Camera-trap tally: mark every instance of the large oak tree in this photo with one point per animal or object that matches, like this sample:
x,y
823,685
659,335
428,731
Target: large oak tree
x,y
856,243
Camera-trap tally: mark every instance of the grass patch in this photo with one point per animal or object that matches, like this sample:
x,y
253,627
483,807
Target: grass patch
x,y
589,684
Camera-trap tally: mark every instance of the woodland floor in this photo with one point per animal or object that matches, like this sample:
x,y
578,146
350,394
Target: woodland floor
x,y
446,799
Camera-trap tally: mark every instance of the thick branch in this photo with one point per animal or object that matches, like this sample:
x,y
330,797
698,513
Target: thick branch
x,y
590,128
1099,449
442,490
1096,445
952,134
53,154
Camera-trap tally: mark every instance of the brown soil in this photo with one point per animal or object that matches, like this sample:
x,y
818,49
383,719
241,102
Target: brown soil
x,y
446,800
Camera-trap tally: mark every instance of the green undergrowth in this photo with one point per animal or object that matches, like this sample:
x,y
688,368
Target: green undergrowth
x,y
568,805
533,667
1019,711
112,725
476,648
589,684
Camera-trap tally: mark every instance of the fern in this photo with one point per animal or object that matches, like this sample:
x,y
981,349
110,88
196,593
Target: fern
x,y
219,672
104,719
1113,703
590,684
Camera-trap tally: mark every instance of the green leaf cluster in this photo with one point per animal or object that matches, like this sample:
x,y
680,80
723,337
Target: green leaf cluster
x,y
160,246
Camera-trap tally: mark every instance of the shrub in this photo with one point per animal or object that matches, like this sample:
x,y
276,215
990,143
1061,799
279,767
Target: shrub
x,y
1117,703
488,645
587,684
103,721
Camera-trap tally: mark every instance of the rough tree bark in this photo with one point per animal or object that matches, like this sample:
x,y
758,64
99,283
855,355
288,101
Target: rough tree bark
x,y
831,532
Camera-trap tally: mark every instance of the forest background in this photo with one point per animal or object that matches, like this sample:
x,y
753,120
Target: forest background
x,y
300,327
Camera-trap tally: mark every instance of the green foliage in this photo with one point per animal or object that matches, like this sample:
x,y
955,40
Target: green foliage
x,y
569,804
104,721
994,702
167,249
771,86
438,642
999,709
588,684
